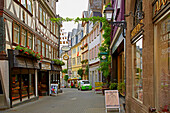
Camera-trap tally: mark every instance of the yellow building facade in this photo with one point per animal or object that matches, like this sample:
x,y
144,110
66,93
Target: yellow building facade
x,y
76,59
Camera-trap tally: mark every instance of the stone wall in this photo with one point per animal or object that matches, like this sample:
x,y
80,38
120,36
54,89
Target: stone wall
x,y
132,104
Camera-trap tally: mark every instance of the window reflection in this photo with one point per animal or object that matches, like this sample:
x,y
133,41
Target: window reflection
x,y
138,75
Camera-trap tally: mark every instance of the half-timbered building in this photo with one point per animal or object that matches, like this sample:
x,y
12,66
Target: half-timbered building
x,y
25,33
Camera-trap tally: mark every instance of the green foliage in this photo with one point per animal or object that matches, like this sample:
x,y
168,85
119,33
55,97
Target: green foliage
x,y
64,71
66,78
58,62
121,87
87,70
80,72
113,86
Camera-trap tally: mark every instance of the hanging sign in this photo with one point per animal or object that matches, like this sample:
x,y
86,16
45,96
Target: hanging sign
x,y
65,57
65,48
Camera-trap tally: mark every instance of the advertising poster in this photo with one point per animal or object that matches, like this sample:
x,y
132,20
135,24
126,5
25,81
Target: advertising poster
x,y
54,89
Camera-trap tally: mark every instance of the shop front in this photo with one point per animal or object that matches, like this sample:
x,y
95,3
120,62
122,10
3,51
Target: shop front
x,y
161,21
22,77
55,74
43,78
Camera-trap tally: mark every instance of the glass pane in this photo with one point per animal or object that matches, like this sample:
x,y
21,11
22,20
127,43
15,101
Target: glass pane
x,y
47,51
23,37
32,84
163,67
44,18
24,85
29,4
15,87
43,49
41,15
23,2
138,75
16,34
30,40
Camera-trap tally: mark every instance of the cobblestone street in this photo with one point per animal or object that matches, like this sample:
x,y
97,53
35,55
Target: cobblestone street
x,y
71,101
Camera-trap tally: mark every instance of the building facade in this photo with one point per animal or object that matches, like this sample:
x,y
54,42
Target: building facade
x,y
117,45
84,47
147,45
26,25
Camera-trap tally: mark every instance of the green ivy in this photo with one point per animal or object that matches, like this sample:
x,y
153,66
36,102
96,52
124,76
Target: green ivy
x,y
64,71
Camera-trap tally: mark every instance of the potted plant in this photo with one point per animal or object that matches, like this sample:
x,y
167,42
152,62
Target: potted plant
x,y
121,88
82,61
113,86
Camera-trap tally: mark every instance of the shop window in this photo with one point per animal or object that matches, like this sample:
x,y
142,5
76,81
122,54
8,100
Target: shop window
x,y
24,85
15,87
32,84
16,36
23,37
43,49
30,40
138,71
162,61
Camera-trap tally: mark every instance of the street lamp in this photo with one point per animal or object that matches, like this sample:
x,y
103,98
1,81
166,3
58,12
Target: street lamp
x,y
108,13
109,17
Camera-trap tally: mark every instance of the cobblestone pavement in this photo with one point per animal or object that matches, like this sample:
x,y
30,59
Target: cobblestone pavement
x,y
71,101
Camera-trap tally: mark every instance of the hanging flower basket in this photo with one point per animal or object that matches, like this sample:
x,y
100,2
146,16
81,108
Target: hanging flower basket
x,y
82,47
86,45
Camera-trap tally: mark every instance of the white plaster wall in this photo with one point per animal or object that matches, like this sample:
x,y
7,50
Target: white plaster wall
x,y
92,45
5,80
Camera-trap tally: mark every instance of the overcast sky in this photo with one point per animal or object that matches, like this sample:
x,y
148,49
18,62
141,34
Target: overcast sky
x,y
71,9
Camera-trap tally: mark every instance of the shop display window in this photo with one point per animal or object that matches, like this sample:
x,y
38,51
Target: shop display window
x,y
162,61
32,84
138,71
15,87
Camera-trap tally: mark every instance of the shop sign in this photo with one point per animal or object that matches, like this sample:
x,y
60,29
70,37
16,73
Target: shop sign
x,y
65,57
46,66
158,5
136,29
112,99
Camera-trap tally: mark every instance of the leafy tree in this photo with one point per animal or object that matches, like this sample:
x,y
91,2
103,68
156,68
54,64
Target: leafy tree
x,y
80,72
64,71
66,79
87,70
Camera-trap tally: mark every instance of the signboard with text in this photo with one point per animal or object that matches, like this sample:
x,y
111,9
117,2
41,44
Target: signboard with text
x,y
112,99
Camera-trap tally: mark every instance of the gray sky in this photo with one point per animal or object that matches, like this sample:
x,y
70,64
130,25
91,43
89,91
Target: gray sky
x,y
71,9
